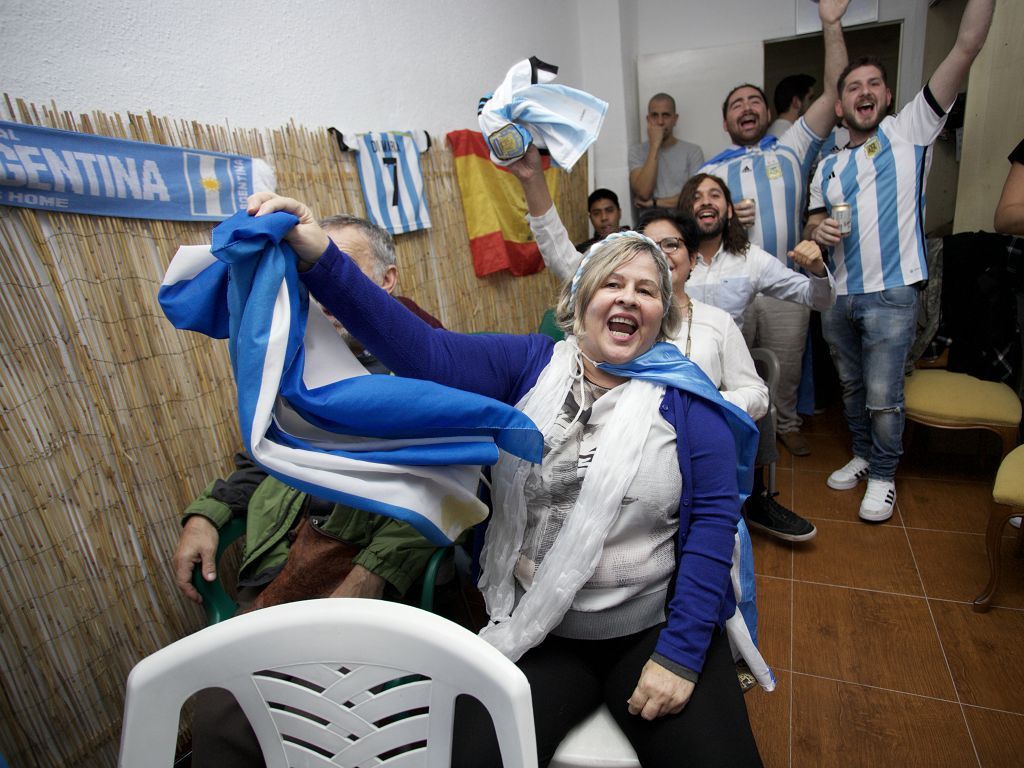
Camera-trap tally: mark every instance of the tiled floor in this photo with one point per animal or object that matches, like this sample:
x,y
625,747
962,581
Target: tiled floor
x,y
879,657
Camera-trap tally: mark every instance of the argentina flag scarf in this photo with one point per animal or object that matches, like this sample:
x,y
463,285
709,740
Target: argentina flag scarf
x,y
665,364
730,153
311,415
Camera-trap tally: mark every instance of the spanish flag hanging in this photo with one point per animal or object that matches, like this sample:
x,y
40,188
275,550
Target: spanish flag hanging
x,y
499,235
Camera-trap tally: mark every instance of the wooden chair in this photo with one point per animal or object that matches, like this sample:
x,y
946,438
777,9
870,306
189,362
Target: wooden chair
x,y
1008,493
940,398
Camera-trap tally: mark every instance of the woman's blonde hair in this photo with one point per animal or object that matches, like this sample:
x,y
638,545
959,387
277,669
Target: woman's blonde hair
x,y
598,263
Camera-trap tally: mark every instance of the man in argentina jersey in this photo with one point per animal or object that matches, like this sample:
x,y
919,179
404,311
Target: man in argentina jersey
x,y
880,265
389,172
773,173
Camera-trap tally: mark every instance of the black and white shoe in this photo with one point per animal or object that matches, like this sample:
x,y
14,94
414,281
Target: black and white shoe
x,y
878,501
847,476
766,514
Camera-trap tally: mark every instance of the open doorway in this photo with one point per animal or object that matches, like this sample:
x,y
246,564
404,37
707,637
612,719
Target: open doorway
x,y
806,54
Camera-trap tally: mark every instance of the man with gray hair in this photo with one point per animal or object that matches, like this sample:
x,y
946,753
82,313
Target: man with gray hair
x,y
373,251
297,546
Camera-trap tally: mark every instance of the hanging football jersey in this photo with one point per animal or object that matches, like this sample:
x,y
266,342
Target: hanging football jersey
x,y
390,175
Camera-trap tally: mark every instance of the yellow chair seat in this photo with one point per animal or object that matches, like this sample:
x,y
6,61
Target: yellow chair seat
x,y
1008,493
1009,486
943,398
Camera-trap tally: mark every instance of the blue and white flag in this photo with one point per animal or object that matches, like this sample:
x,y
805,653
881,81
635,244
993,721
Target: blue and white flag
x,y
74,172
527,108
311,415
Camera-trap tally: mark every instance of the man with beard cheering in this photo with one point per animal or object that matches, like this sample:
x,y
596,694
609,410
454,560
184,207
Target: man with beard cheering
x,y
768,180
879,251
729,273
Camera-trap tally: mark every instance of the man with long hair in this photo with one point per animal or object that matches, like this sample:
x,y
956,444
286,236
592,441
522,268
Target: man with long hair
x,y
730,272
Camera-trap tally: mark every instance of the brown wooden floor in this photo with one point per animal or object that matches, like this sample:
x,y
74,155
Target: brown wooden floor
x,y
879,657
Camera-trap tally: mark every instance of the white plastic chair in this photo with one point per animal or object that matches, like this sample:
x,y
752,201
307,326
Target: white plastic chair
x,y
328,683
597,742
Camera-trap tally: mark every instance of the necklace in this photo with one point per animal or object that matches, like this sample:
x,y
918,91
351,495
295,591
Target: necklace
x,y
689,323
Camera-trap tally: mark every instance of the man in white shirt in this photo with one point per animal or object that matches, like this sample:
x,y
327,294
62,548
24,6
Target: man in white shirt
x,y
729,273
880,262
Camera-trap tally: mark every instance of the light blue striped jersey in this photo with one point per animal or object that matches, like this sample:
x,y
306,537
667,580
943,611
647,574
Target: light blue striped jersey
x,y
774,173
835,141
883,180
389,172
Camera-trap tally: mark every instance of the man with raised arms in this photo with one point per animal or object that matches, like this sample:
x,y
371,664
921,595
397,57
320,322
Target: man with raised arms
x,y
767,178
880,262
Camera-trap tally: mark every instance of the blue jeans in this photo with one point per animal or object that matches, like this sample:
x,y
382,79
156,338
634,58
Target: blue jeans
x,y
869,336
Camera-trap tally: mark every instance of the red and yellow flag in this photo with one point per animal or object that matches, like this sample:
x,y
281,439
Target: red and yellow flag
x,y
499,235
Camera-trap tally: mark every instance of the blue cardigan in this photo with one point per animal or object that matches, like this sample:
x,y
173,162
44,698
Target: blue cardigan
x,y
505,367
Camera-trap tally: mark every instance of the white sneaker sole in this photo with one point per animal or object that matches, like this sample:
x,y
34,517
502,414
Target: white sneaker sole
x,y
844,485
876,517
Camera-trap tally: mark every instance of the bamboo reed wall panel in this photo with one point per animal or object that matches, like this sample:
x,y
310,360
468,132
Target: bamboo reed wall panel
x,y
113,420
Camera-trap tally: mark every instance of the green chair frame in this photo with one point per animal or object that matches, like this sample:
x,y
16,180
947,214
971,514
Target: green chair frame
x,y
549,327
219,605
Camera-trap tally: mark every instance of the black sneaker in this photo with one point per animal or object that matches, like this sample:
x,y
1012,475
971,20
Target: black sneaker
x,y
766,514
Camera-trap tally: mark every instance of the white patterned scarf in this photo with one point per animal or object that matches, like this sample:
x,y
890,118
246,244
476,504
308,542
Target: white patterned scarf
x,y
571,561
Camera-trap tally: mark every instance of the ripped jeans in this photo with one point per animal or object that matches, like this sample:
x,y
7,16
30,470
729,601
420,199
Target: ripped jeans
x,y
870,335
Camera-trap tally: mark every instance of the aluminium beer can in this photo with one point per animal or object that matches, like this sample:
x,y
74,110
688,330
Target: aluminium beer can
x,y
752,202
843,215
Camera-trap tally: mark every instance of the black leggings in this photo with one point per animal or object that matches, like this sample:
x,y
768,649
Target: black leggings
x,y
569,679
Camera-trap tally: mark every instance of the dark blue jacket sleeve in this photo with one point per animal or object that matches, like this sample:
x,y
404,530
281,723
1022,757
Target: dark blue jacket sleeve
x,y
708,514
497,365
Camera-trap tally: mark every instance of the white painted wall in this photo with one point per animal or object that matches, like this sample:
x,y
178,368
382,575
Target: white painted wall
x,y
667,26
364,65
605,76
673,25
354,64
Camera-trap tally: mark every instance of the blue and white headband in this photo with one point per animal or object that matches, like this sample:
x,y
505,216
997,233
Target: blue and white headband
x,y
597,246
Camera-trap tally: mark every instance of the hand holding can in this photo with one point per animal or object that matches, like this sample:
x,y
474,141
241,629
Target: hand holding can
x,y
843,215
746,211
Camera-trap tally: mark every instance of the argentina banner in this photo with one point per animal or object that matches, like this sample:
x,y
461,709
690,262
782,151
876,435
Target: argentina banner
x,y
311,415
57,170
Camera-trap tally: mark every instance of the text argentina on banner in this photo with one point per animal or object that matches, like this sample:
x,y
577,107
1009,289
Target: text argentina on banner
x,y
58,170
